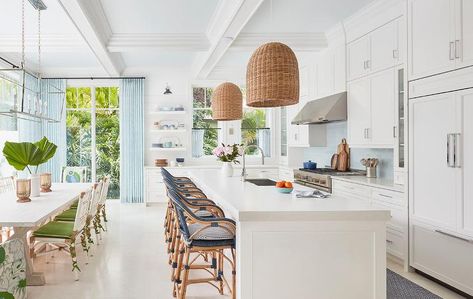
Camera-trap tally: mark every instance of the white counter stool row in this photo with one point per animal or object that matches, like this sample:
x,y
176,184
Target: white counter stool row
x,y
198,229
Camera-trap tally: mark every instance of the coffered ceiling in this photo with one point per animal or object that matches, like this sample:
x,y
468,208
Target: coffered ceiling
x,y
208,37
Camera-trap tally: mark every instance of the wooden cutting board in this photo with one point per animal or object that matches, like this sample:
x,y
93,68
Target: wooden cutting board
x,y
334,161
343,156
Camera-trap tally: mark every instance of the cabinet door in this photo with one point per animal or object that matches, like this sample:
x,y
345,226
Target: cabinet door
x,y
464,39
292,130
325,74
384,47
431,37
359,119
383,91
465,110
358,54
433,191
339,69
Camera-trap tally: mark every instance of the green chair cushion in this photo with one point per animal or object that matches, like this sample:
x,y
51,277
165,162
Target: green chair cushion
x,y
67,215
54,229
75,204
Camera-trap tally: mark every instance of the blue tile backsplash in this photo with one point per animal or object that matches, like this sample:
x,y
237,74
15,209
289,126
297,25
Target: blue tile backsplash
x,y
335,132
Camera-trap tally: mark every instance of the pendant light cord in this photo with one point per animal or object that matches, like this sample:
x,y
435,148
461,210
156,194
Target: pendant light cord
x,y
39,44
23,34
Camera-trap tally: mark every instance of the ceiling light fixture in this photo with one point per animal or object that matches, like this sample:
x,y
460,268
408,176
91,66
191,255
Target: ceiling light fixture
x,y
24,91
227,102
167,90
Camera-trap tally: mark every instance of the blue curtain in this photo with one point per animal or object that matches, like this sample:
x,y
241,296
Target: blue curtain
x,y
55,132
131,140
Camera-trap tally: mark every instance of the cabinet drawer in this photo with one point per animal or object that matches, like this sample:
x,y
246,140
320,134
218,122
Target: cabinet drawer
x,y
398,219
389,197
351,189
444,257
153,196
155,185
153,172
395,243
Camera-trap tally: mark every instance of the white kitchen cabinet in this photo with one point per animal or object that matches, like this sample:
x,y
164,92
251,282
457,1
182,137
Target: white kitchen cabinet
x,y
433,181
371,110
383,100
464,33
331,71
155,190
465,112
359,111
378,50
451,47
358,53
384,47
442,256
384,199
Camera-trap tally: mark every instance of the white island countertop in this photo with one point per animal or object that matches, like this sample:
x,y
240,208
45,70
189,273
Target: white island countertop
x,y
371,182
248,202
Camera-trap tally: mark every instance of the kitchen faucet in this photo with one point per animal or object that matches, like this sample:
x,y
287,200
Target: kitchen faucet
x,y
243,172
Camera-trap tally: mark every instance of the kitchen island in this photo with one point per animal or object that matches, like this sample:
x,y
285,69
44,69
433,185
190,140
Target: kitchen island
x,y
301,248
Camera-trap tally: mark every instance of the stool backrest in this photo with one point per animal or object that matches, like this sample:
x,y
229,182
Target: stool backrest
x,y
82,210
74,174
7,184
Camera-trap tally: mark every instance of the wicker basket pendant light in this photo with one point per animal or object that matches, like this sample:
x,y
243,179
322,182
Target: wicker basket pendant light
x,y
227,102
272,77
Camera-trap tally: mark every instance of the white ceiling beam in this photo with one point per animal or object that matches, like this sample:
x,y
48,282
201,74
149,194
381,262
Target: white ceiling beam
x,y
49,43
299,42
90,20
225,26
126,42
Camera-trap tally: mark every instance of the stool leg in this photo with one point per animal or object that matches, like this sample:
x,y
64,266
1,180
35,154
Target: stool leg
x,y
233,274
182,293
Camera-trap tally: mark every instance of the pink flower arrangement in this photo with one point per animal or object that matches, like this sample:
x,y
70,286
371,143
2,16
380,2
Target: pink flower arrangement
x,y
228,153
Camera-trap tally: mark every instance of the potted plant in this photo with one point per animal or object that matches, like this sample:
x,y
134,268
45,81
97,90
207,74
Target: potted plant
x,y
228,154
29,155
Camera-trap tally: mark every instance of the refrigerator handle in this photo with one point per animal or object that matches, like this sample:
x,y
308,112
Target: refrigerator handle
x,y
448,150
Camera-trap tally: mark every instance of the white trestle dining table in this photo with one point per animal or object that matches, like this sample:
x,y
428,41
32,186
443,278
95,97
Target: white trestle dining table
x,y
24,217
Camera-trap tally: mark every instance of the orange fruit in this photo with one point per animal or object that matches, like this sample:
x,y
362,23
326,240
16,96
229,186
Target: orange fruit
x,y
288,185
281,184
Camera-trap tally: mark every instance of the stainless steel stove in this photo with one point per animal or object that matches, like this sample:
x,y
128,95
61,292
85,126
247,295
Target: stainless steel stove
x,y
321,178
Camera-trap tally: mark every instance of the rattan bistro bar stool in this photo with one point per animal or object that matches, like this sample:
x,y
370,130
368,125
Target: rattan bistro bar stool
x,y
202,207
203,236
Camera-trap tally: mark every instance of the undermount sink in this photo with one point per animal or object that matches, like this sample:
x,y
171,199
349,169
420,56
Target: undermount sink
x,y
261,182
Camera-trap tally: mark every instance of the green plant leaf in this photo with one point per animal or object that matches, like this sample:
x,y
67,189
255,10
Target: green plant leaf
x,y
21,154
47,150
6,295
2,255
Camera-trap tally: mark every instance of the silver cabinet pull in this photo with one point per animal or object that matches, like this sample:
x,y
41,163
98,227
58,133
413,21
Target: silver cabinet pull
x,y
368,64
453,236
395,53
384,195
364,65
457,48
448,150
394,131
389,241
452,54
456,149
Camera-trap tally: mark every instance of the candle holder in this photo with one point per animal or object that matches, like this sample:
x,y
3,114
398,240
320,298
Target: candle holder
x,y
45,180
23,190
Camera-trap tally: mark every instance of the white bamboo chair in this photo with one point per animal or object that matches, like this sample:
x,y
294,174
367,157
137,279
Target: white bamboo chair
x,y
64,235
101,212
7,184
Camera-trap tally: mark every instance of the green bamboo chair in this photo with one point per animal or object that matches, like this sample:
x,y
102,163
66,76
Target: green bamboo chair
x,y
64,235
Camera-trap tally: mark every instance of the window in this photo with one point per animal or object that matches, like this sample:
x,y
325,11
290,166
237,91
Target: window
x,y
205,130
283,136
93,130
254,128
255,131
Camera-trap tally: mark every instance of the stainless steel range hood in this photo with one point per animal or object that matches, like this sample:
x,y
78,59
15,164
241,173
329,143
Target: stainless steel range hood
x,y
323,110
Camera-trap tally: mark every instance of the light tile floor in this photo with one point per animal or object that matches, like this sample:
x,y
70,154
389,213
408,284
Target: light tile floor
x,y
131,263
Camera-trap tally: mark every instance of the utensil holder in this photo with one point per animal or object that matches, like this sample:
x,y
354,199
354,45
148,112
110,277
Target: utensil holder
x,y
371,172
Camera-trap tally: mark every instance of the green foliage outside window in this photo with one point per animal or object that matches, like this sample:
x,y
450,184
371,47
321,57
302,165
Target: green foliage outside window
x,y
107,129
202,118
